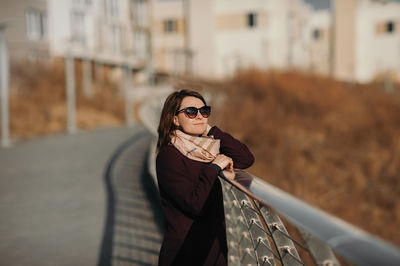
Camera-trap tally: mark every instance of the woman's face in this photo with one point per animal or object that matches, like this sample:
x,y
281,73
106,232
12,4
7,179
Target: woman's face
x,y
195,126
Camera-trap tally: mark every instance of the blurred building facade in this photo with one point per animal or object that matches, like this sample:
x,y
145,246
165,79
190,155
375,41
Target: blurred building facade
x,y
169,37
359,41
319,32
111,31
107,32
26,28
366,40
217,37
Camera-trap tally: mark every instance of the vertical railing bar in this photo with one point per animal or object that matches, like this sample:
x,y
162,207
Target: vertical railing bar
x,y
291,238
287,252
245,220
277,247
266,246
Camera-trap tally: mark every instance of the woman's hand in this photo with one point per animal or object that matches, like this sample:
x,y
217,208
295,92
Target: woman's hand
x,y
223,161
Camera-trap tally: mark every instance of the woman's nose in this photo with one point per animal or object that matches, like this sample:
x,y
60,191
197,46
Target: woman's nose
x,y
198,115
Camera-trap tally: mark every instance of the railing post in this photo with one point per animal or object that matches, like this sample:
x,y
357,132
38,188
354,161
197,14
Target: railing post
x,y
4,83
388,83
70,86
87,77
99,73
127,87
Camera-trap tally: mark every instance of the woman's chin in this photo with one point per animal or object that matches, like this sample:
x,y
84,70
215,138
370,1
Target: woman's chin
x,y
195,132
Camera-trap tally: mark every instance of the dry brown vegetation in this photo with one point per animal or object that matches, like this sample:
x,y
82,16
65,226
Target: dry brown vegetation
x,y
337,146
38,101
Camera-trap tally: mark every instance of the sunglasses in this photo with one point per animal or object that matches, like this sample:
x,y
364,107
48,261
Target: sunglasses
x,y
191,111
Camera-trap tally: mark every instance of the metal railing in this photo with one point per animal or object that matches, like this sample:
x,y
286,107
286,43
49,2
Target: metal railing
x,y
256,234
320,231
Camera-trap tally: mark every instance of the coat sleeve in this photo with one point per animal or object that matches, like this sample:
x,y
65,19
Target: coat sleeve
x,y
233,148
189,193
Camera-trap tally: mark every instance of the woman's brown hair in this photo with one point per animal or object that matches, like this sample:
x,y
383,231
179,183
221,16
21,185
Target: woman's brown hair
x,y
171,106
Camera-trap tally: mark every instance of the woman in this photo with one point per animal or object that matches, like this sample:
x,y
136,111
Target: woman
x,y
191,153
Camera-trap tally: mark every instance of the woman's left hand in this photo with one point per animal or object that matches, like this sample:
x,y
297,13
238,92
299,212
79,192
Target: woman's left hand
x,y
223,161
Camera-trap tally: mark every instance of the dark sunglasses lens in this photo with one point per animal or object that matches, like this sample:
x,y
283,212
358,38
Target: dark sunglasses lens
x,y
191,112
205,111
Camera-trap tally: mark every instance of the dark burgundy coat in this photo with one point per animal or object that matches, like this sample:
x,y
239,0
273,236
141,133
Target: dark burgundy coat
x,y
192,204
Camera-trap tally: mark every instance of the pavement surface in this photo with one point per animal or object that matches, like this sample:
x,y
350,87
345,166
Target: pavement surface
x,y
53,198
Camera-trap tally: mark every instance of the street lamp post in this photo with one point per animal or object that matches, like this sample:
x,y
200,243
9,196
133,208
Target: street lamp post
x,y
4,83
70,86
127,89
87,76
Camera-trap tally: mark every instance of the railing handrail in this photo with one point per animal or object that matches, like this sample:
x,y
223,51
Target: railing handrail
x,y
349,241
354,244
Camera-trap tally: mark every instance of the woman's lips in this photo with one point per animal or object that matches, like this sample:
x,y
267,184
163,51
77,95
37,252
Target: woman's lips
x,y
199,124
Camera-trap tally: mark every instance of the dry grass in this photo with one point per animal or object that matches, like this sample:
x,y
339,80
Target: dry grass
x,y
38,101
334,145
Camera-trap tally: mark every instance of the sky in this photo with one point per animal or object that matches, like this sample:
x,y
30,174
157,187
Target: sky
x,y
324,4
318,4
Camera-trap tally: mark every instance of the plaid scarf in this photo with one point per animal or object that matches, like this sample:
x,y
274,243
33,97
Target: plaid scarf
x,y
203,149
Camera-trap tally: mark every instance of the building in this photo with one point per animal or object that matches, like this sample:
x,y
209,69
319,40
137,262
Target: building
x,y
169,37
111,31
214,38
320,45
27,28
359,41
106,32
366,40
378,41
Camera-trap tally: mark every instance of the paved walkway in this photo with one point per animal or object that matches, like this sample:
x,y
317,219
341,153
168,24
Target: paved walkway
x,y
53,198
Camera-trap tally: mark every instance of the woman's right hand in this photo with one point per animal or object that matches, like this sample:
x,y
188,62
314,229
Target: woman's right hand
x,y
223,161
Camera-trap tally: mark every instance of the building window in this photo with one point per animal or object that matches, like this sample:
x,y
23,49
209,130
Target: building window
x,y
86,3
170,26
251,20
140,44
390,28
387,27
36,24
78,27
115,39
316,34
112,8
139,12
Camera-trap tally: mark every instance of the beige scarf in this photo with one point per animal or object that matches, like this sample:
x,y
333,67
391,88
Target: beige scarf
x,y
203,149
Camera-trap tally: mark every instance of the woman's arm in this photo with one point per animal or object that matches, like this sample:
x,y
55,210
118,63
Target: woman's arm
x,y
233,148
189,193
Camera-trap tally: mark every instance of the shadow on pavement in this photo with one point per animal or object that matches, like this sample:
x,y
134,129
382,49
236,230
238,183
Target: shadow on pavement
x,y
133,225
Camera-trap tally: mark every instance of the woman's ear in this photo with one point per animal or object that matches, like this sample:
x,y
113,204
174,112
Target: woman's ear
x,y
176,121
